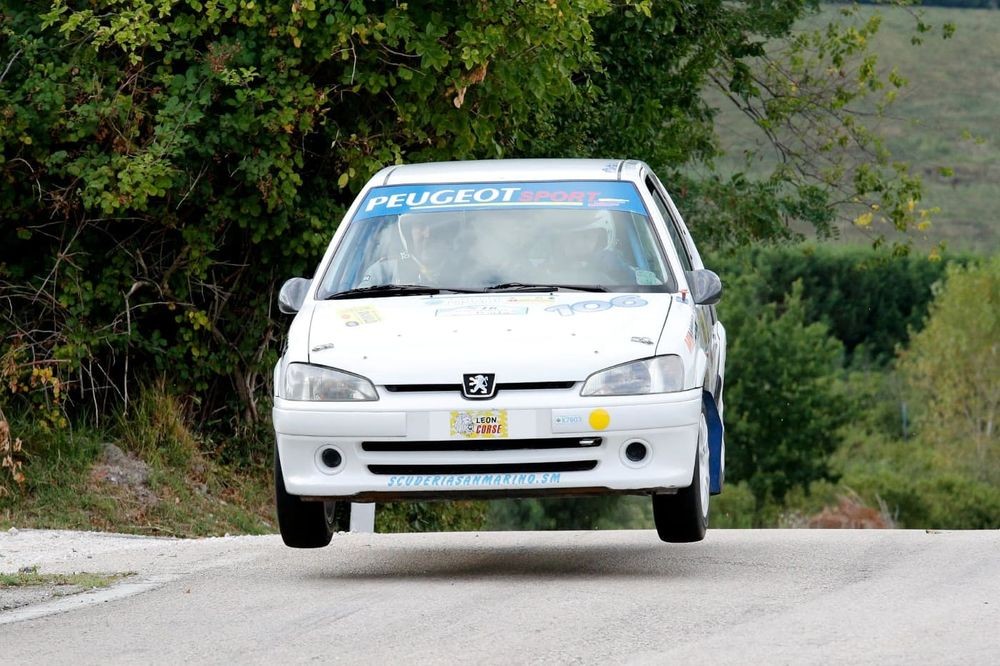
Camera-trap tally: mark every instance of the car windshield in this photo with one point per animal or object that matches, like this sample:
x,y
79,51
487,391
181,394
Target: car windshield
x,y
591,236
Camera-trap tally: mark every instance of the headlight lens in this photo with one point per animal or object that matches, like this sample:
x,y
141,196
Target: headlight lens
x,y
313,382
661,374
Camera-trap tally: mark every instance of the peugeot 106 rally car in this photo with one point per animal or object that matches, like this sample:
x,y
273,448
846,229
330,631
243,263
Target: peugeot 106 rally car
x,y
510,328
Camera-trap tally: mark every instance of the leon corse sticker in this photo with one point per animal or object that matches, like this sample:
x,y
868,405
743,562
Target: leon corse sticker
x,y
479,424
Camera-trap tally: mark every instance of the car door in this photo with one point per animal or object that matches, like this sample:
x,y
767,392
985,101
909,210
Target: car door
x,y
710,333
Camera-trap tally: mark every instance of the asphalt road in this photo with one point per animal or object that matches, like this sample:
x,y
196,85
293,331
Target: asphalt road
x,y
740,597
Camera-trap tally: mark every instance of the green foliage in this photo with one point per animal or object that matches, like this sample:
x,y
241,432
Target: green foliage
x,y
156,427
31,577
782,403
166,164
942,123
575,513
952,367
70,484
870,302
736,507
430,516
933,500
813,97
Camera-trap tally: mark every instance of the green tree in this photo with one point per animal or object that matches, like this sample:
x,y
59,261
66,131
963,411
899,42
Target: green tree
x,y
783,408
952,367
165,165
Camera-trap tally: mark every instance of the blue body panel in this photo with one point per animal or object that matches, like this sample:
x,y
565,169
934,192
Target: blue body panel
x,y
715,433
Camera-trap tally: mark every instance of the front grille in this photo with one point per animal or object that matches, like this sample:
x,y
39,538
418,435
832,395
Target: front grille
x,y
422,388
534,386
499,468
509,386
485,444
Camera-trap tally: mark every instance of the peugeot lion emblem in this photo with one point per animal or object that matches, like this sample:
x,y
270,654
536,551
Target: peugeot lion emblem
x,y
479,386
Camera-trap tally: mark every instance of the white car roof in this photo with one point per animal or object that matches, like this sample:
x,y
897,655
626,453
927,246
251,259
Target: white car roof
x,y
482,171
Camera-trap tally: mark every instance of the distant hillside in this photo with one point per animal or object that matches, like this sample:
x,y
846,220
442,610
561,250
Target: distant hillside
x,y
957,4
946,123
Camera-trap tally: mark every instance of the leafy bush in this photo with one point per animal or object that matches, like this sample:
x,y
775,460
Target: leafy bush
x,y
571,513
157,427
430,516
164,166
932,499
952,368
869,302
736,507
782,404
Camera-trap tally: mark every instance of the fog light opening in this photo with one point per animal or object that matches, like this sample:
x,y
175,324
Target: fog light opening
x,y
636,451
331,458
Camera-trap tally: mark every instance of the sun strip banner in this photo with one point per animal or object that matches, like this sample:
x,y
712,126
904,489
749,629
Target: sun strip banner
x,y
400,199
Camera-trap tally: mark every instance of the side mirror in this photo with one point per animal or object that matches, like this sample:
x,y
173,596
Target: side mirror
x,y
706,287
292,294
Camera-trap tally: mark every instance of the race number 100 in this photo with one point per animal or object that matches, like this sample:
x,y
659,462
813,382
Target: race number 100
x,y
566,310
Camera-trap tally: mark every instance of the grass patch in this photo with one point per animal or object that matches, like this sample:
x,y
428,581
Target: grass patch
x,y
214,502
943,123
29,577
146,473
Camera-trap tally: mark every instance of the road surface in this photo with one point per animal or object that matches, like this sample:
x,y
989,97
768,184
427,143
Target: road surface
x,y
739,597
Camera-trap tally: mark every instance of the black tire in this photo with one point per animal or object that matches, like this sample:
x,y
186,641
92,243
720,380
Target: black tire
x,y
306,524
682,518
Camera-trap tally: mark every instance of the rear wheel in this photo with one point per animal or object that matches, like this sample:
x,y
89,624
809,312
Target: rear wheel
x,y
683,517
306,524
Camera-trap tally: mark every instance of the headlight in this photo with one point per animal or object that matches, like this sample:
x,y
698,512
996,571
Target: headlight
x,y
312,382
661,374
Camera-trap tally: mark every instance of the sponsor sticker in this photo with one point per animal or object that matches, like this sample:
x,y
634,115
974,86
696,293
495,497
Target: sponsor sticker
x,y
599,419
689,336
480,311
456,301
646,278
473,480
532,298
365,314
479,424
400,199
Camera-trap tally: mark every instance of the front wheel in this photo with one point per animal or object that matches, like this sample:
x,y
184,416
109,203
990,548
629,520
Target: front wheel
x,y
683,517
306,524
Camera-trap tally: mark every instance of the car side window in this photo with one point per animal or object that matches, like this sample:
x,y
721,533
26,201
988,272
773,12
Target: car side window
x,y
675,235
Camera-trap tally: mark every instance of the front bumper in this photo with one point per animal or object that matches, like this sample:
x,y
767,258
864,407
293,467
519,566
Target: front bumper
x,y
546,426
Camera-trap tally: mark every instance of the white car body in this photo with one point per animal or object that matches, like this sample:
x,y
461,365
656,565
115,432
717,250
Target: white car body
x,y
537,436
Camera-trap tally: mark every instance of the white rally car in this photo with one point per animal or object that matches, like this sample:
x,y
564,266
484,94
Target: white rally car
x,y
506,328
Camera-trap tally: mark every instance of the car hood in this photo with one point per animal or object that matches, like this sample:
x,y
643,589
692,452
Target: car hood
x,y
522,337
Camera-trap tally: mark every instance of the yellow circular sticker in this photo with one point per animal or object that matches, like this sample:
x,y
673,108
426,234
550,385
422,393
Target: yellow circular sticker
x,y
599,419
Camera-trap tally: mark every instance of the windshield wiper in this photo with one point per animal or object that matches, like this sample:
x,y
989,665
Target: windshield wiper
x,y
523,286
380,290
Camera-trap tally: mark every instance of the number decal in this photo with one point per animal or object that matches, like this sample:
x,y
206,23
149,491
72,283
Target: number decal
x,y
628,302
597,306
563,310
591,306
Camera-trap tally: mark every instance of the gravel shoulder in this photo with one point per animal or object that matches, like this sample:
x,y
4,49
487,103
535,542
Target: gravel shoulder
x,y
147,559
